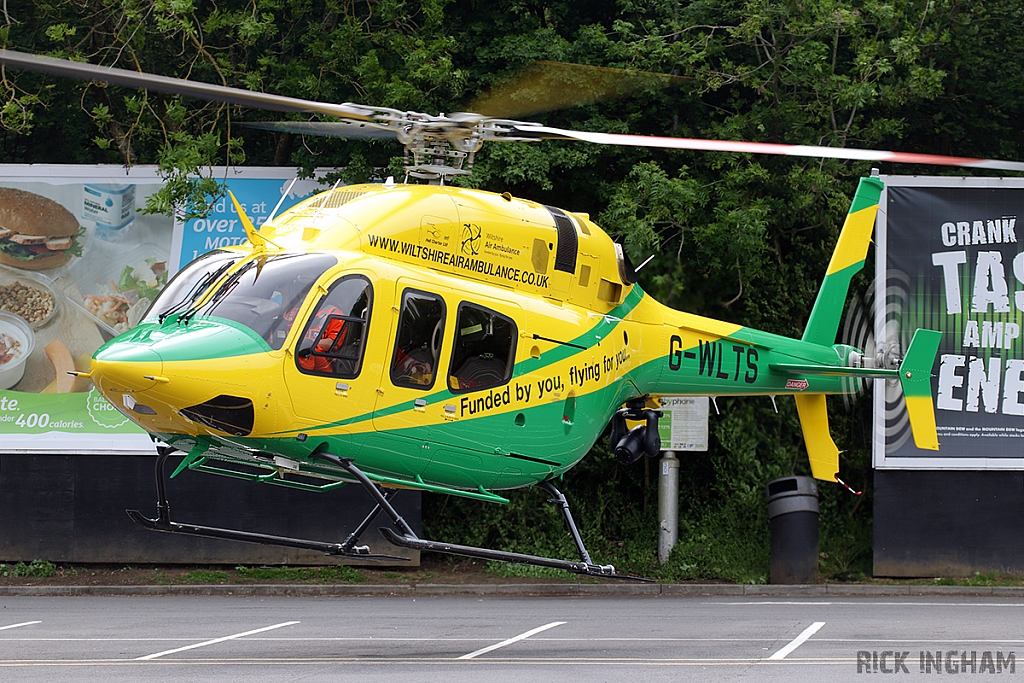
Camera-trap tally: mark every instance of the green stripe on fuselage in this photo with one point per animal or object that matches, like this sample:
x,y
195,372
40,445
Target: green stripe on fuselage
x,y
199,339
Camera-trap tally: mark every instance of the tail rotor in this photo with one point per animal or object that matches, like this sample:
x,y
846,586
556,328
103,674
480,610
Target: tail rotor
x,y
882,350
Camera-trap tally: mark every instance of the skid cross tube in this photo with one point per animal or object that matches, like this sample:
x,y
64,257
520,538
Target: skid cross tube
x,y
162,522
349,544
563,504
371,488
408,539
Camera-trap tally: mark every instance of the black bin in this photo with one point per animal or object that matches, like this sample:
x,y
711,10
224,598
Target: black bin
x,y
793,516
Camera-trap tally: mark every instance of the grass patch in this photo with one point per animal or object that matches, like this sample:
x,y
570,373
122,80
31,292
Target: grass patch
x,y
527,571
332,574
160,577
204,576
978,579
36,569
423,576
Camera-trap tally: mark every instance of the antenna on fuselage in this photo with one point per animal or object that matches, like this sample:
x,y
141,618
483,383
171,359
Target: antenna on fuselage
x,y
327,196
281,201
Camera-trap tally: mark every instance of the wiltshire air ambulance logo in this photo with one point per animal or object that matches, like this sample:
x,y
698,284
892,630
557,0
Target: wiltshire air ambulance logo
x,y
470,239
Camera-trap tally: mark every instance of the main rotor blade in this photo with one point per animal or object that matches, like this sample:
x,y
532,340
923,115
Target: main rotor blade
x,y
854,153
350,130
177,86
546,86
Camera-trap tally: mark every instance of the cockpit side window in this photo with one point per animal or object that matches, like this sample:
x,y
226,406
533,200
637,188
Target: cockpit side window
x,y
418,341
335,336
484,349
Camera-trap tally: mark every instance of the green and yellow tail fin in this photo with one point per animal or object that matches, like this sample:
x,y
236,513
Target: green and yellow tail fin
x,y
847,259
823,324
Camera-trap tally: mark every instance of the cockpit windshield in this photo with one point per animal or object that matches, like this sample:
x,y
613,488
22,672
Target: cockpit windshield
x,y
189,284
264,294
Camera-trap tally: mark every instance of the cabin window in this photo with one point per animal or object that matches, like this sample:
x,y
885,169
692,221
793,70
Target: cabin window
x,y
418,342
484,350
333,341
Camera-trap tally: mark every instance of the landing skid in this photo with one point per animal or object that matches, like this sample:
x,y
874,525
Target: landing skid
x,y
404,537
408,538
162,522
335,549
603,571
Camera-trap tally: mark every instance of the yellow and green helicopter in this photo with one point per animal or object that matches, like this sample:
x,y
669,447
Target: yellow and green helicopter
x,y
428,337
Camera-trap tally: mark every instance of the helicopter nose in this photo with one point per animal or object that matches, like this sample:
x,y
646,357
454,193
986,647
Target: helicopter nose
x,y
185,378
126,366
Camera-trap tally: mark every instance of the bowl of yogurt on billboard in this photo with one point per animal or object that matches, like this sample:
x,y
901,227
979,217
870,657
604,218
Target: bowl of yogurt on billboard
x,y
16,343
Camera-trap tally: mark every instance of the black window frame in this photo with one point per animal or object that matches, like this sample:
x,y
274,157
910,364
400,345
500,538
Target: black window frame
x,y
358,366
510,369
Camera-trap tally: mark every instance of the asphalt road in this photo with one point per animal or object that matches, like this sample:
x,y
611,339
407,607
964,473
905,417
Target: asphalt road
x,y
463,638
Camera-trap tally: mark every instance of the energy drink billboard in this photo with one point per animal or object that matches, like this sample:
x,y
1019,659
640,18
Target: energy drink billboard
x,y
949,258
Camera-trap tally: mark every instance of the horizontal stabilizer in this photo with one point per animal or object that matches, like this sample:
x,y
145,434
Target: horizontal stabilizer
x,y
832,370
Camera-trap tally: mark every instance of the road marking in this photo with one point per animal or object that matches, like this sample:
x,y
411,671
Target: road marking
x,y
521,636
24,623
798,641
442,664
778,602
874,603
217,640
389,639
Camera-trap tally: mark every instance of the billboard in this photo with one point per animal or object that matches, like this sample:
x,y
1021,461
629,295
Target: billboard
x,y
949,258
80,263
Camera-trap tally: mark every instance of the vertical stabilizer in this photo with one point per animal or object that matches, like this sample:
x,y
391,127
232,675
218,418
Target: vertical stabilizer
x,y
847,260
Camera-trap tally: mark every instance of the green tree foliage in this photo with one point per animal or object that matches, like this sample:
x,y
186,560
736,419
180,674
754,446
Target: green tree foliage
x,y
738,237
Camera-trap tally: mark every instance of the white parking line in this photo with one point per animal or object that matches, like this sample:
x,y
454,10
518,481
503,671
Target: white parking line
x,y
217,640
521,636
798,641
873,603
24,623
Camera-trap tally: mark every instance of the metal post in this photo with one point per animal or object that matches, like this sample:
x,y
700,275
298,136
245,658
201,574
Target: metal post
x,y
668,505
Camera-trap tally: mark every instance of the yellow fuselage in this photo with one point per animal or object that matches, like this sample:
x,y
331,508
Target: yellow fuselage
x,y
478,276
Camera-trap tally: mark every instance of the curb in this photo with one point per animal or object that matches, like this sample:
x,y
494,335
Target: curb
x,y
520,590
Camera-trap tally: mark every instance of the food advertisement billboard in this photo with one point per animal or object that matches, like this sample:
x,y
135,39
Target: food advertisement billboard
x,y
80,262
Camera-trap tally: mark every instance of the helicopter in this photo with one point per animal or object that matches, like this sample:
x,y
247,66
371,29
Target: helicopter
x,y
430,337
